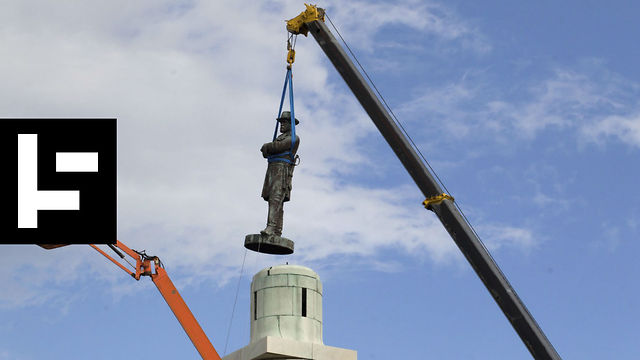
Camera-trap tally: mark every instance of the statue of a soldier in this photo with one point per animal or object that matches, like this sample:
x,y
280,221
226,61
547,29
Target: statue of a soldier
x,y
277,181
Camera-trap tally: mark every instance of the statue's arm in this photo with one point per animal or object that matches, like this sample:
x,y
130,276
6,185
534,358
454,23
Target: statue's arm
x,y
276,147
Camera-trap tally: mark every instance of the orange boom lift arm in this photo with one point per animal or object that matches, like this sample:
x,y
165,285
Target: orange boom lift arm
x,y
152,266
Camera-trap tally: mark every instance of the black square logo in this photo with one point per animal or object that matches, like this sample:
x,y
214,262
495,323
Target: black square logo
x,y
58,181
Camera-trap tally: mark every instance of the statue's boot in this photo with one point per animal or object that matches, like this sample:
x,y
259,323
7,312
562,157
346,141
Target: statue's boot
x,y
279,217
274,218
269,230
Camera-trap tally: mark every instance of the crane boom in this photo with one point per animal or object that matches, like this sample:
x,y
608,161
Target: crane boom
x,y
461,232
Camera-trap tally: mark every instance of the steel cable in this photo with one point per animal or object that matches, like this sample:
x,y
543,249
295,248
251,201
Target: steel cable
x,y
235,301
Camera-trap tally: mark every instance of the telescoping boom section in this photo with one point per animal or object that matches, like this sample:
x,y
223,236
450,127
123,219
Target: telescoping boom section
x,y
312,20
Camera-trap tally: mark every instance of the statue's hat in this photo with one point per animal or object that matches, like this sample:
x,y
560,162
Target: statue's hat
x,y
286,116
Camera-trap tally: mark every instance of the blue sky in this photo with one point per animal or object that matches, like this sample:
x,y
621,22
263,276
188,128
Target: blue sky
x,y
527,111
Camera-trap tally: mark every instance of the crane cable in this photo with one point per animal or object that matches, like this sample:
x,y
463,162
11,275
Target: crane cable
x,y
235,301
397,121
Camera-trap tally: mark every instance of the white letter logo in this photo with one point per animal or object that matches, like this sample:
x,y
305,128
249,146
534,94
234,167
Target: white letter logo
x,y
30,199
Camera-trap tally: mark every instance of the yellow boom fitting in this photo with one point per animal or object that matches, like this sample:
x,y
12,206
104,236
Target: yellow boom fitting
x,y
297,25
437,199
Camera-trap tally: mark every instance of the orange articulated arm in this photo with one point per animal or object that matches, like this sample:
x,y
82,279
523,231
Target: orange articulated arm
x,y
152,266
114,260
183,314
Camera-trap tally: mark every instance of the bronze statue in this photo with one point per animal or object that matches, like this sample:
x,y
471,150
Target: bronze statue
x,y
277,181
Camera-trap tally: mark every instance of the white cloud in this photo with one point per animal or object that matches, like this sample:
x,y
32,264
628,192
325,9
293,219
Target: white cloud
x,y
31,276
444,106
499,236
565,100
609,240
595,105
624,128
426,17
195,88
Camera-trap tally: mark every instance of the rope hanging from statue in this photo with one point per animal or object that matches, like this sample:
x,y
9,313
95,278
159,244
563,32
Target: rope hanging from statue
x,y
288,83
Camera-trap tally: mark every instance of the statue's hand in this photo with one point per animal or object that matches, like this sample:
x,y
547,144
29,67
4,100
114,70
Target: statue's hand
x,y
263,150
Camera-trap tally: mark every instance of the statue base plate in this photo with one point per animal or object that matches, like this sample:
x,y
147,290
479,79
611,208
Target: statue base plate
x,y
268,244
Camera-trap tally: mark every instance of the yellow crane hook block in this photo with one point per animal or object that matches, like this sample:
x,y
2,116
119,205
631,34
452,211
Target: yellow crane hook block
x,y
297,25
291,57
437,199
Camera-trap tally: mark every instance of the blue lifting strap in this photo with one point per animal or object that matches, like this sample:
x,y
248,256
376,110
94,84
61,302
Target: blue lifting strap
x,y
288,81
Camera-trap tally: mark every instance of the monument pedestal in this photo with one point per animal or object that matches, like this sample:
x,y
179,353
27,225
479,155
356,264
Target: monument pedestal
x,y
278,348
268,244
286,318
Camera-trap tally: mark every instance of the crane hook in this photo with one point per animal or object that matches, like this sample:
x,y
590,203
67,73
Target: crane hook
x,y
291,54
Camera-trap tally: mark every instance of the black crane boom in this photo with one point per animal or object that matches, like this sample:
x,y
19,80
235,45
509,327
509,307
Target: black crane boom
x,y
468,242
